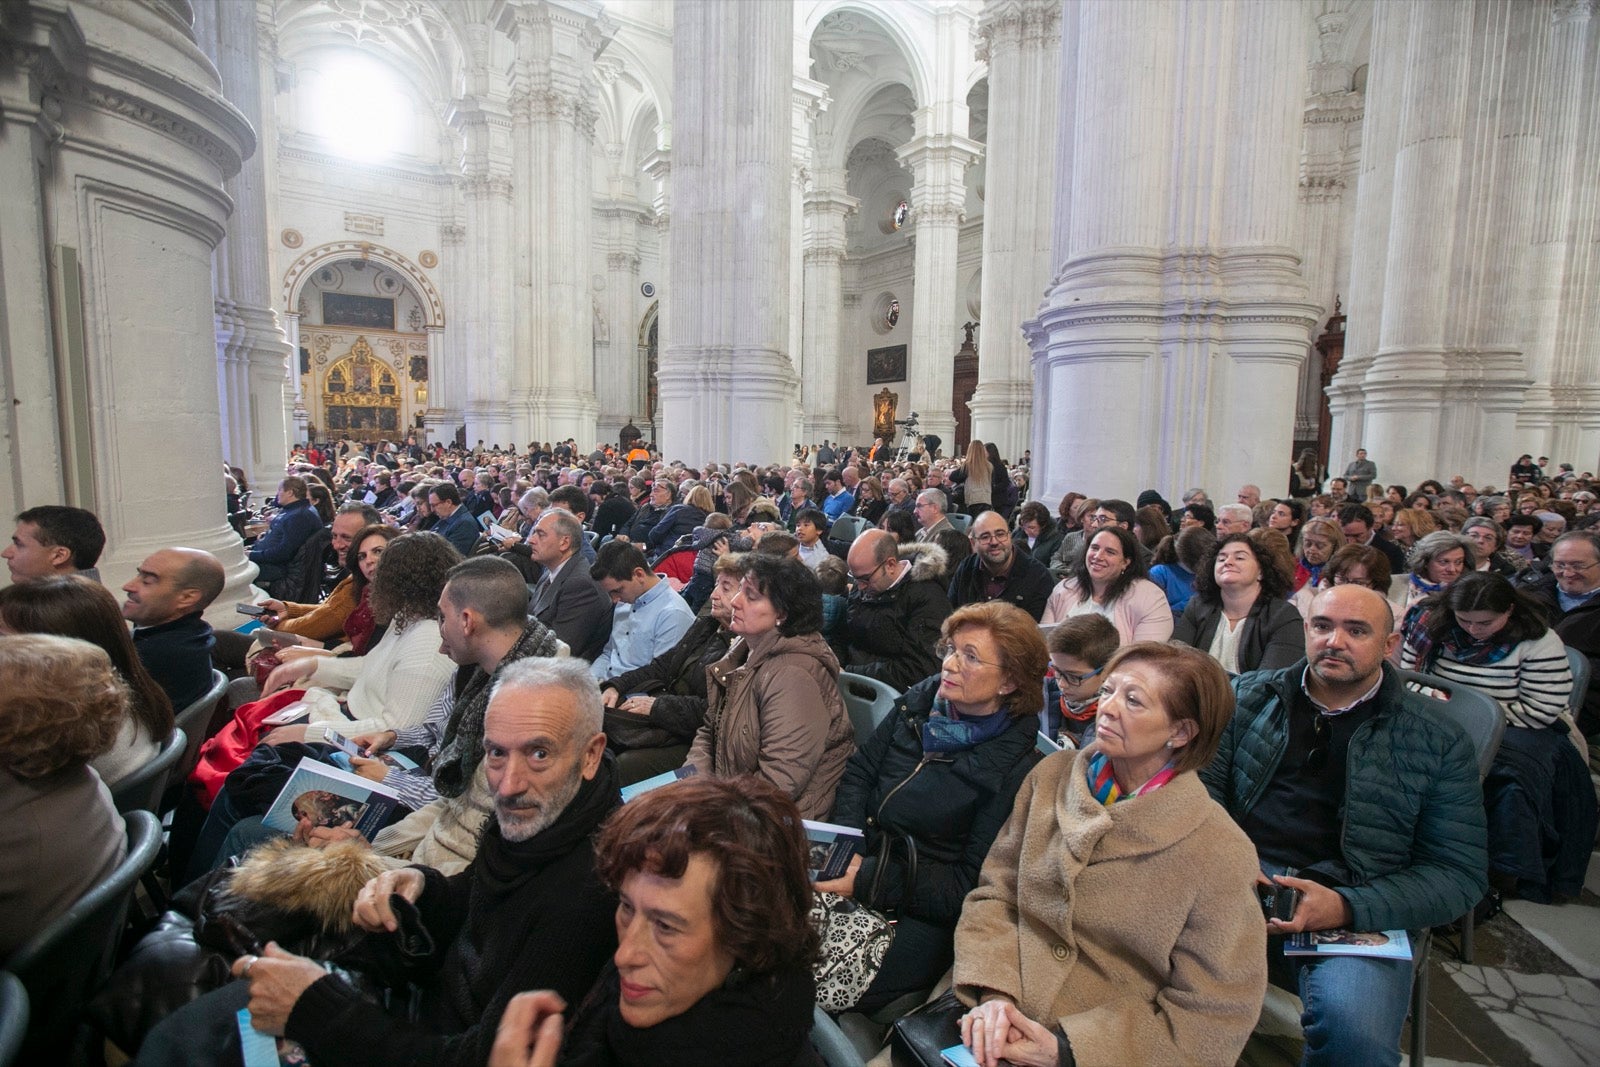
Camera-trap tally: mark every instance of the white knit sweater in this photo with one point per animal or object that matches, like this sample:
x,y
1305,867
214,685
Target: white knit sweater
x,y
392,686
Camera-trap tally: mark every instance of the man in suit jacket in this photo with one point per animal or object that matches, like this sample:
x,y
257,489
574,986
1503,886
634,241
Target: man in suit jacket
x,y
566,598
456,523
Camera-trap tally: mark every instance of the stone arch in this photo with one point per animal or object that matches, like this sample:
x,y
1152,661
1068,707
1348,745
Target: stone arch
x,y
294,278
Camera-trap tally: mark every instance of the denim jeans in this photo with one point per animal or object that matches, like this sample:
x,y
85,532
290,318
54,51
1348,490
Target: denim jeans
x,y
1353,1007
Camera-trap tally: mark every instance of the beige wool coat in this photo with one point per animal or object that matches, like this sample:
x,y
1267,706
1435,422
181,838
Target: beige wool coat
x,y
1135,929
773,708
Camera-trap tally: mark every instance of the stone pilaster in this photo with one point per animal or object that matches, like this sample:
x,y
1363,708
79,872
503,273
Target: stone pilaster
x,y
1021,41
619,373
658,165
827,209
727,387
253,355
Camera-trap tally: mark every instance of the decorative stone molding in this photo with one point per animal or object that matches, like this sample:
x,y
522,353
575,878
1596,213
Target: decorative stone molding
x,y
301,269
356,222
452,234
292,238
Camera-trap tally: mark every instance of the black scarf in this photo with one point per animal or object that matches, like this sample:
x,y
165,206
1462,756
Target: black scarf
x,y
462,748
756,1021
501,867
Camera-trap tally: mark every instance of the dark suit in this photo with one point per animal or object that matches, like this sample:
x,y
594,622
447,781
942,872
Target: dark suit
x,y
460,529
577,609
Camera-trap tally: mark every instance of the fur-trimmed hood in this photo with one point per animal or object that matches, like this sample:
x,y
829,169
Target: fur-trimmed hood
x,y
928,561
319,882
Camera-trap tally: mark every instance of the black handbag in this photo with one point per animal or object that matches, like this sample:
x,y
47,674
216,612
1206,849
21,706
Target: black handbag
x,y
917,1038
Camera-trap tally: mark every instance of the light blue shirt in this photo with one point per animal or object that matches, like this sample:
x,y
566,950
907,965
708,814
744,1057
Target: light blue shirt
x,y
643,630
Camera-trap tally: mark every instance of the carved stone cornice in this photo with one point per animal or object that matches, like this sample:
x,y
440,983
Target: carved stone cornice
x,y
1016,24
1574,11
623,262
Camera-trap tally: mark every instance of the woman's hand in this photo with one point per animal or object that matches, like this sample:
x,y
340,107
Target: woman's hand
x,y
609,697
1037,1047
285,734
530,1031
845,884
289,674
986,1030
277,978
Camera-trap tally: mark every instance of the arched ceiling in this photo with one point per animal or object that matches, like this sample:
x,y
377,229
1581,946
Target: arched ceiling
x,y
416,37
869,78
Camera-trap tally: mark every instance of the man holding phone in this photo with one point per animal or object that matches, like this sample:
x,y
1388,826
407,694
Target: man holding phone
x,y
1333,768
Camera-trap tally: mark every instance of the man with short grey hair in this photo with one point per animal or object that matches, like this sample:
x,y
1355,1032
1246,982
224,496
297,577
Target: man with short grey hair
x,y
565,598
529,913
930,513
1232,519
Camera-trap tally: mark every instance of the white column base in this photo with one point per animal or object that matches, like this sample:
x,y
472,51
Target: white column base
x,y
1002,414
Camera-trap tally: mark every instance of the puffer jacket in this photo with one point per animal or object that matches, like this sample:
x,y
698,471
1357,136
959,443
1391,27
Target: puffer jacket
x,y
890,636
1415,849
773,708
951,804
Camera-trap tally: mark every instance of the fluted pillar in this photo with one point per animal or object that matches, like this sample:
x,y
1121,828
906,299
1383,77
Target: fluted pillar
x,y
116,147
728,389
253,355
619,376
480,347
658,165
1021,41
827,209
1167,350
554,111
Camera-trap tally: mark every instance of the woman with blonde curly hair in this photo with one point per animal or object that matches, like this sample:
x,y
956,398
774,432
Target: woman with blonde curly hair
x,y
61,705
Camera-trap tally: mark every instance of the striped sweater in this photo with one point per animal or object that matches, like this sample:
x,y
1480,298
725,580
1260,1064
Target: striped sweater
x,y
1533,684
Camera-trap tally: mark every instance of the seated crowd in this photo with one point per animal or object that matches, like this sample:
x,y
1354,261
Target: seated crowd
x,y
1125,751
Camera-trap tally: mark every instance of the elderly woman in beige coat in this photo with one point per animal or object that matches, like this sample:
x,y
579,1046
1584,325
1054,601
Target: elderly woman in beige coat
x,y
1131,933
773,705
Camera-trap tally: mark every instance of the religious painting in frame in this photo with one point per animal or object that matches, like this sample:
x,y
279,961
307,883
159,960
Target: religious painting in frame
x,y
886,364
362,312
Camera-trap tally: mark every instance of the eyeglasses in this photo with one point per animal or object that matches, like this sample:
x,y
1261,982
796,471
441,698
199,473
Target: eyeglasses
x,y
1076,680
993,537
944,649
1321,731
1572,568
863,579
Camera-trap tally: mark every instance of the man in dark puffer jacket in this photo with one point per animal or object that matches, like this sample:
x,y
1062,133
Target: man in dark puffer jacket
x,y
1336,771
528,913
895,610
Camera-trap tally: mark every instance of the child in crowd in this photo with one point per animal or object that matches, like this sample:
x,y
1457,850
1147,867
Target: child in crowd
x,y
1080,646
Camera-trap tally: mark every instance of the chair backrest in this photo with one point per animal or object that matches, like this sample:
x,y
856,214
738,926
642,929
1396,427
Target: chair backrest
x,y
141,790
13,1017
831,1043
847,528
868,701
961,522
1480,715
66,962
1581,672
193,721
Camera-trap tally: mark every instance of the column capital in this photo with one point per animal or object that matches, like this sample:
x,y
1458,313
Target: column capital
x,y
1012,23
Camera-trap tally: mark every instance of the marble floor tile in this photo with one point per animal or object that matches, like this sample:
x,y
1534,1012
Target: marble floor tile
x,y
1555,1018
1571,931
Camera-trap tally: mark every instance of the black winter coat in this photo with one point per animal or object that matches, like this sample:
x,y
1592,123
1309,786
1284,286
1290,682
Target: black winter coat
x,y
890,636
677,680
679,519
953,805
1028,585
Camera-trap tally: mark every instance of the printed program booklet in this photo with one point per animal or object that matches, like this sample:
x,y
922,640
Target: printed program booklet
x,y
665,778
1387,944
831,848
330,797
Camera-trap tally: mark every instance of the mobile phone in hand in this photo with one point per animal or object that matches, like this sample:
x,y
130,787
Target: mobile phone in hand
x,y
246,608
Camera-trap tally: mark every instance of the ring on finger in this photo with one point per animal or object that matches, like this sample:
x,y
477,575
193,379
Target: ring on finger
x,y
246,972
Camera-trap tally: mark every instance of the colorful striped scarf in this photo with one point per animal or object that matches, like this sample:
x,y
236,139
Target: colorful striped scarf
x,y
1103,784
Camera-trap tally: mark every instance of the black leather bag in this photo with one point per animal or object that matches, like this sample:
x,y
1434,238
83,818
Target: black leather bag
x,y
916,1038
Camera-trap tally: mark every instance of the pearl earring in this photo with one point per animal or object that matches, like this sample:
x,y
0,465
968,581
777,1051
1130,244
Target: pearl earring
x,y
1169,742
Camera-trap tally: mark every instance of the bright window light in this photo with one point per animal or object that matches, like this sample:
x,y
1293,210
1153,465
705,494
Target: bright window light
x,y
361,110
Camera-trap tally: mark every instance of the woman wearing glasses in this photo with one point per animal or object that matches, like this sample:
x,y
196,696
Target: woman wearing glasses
x,y
1108,578
773,705
1063,947
934,784
1484,633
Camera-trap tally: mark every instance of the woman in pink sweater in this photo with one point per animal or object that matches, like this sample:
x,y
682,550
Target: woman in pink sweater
x,y
1108,578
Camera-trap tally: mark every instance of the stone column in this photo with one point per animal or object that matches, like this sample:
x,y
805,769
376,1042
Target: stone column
x,y
1577,394
827,208
1021,41
1167,350
485,287
554,112
294,388
658,165
252,353
116,147
938,164
727,387
619,380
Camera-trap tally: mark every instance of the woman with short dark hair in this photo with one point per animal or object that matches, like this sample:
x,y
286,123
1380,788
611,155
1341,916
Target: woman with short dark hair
x,y
773,705
1238,614
1180,977
714,944
1037,533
